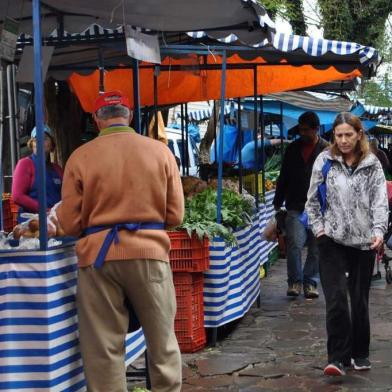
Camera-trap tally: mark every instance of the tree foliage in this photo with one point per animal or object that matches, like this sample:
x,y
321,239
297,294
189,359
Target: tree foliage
x,y
292,10
361,21
376,93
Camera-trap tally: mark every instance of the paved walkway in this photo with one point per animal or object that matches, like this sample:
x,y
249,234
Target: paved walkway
x,y
281,346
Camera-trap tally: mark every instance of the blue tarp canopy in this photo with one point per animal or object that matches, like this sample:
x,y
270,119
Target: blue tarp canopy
x,y
291,114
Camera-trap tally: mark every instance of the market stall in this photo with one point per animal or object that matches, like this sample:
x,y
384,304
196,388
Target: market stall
x,y
62,369
232,284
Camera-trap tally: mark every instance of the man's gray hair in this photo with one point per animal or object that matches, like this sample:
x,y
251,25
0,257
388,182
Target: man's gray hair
x,y
113,111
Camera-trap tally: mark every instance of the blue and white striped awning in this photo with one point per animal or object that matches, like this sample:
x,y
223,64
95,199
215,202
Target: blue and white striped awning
x,y
377,109
288,42
204,114
311,46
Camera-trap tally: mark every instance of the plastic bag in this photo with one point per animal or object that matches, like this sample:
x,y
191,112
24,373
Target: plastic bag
x,y
54,228
270,233
28,228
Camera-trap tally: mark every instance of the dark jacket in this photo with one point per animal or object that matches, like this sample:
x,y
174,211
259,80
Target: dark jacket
x,y
294,179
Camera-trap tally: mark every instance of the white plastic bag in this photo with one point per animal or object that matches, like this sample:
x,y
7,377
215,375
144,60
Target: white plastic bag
x,y
270,233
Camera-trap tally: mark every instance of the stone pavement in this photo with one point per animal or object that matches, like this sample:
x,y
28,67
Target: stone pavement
x,y
281,346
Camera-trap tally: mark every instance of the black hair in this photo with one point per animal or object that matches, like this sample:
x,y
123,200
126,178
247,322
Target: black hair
x,y
309,118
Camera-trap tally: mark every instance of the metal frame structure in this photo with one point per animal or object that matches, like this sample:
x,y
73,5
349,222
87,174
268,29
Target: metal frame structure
x,y
221,50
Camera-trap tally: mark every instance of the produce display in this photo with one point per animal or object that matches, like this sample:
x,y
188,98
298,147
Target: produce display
x,y
30,229
273,163
200,211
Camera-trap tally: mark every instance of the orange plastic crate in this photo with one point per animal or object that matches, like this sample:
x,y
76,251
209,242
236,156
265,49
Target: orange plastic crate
x,y
14,211
189,321
7,215
188,254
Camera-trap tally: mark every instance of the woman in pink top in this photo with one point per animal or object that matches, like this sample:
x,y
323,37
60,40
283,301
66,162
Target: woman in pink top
x,y
24,184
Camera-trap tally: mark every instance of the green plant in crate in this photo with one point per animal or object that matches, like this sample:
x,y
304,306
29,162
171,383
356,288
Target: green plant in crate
x,y
200,214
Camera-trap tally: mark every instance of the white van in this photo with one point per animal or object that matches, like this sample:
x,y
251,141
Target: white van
x,y
175,144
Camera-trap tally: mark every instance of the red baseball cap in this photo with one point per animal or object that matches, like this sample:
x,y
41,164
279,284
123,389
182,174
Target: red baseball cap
x,y
111,98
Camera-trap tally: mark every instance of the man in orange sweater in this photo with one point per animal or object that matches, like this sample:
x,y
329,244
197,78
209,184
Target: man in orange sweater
x,y
120,192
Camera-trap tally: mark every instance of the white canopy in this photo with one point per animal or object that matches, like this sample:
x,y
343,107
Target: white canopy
x,y
223,16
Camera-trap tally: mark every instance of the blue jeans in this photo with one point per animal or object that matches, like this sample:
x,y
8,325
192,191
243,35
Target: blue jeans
x,y
296,238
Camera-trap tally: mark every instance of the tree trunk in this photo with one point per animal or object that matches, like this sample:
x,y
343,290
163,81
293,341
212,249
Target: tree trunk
x,y
206,142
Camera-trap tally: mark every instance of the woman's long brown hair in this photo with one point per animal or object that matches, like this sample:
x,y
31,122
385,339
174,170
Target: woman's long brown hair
x,y
362,147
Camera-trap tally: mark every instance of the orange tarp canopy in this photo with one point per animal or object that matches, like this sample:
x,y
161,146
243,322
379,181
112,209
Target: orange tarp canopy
x,y
201,85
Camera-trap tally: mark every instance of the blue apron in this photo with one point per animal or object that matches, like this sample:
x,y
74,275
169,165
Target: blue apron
x,y
133,324
113,235
53,187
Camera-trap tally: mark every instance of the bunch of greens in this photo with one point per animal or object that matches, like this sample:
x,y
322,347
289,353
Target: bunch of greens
x,y
200,214
273,163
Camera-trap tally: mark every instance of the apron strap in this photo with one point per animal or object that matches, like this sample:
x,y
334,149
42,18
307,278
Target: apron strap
x,y
112,235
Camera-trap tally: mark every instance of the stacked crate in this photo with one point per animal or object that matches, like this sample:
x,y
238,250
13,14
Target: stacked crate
x,y
10,212
189,257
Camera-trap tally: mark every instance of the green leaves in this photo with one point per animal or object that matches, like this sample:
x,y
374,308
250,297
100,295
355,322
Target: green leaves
x,y
200,214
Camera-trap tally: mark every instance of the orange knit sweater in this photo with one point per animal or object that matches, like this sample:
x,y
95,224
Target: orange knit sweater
x,y
121,177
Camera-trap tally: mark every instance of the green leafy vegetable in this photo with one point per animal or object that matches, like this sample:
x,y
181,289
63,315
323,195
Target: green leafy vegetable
x,y
200,214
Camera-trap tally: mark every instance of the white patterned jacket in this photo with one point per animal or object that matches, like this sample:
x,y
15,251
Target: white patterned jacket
x,y
357,204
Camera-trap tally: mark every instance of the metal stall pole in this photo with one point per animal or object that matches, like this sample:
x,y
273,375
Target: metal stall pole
x,y
156,73
1,198
182,152
281,131
101,67
136,96
239,126
11,116
214,125
1,144
39,122
220,160
255,118
1,110
256,155
262,126
186,159
16,110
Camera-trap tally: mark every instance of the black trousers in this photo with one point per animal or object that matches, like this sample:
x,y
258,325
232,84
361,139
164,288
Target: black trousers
x,y
348,331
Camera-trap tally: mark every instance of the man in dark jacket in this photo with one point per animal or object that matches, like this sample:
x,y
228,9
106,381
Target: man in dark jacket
x,y
292,188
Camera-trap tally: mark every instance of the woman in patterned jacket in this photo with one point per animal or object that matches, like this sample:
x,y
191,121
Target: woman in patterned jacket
x,y
348,233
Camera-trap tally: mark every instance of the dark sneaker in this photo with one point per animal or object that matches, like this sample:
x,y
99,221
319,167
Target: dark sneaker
x,y
310,291
361,363
334,369
294,290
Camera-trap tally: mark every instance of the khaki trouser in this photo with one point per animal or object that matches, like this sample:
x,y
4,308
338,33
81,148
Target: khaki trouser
x,y
103,323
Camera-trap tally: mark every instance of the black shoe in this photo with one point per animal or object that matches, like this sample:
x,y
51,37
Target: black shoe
x,y
361,363
310,291
334,369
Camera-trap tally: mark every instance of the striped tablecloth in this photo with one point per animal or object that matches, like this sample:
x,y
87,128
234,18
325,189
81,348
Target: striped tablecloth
x,y
232,283
38,323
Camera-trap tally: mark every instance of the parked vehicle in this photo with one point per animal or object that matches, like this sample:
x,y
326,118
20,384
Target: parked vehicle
x,y
176,144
